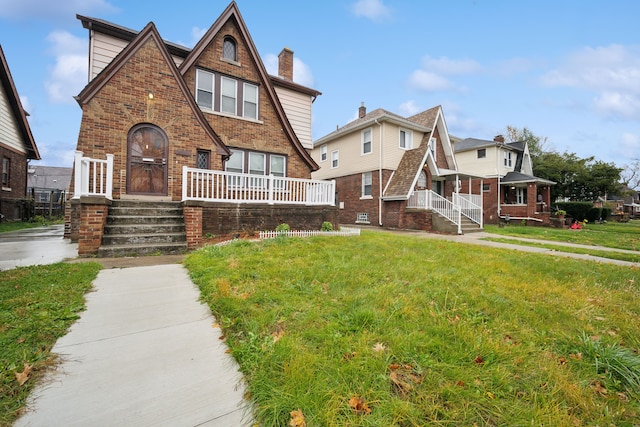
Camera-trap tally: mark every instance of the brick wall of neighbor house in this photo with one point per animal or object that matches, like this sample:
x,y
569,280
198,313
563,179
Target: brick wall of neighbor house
x,y
396,215
489,198
12,196
267,134
349,192
221,219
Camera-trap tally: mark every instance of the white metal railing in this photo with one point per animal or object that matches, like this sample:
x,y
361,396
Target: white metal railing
x,y
93,177
470,206
222,186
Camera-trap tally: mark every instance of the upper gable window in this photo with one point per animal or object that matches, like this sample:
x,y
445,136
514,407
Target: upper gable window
x,y
228,95
250,106
432,147
366,141
204,89
230,49
323,153
406,139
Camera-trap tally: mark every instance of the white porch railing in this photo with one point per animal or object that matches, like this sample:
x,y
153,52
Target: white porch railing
x,y
93,177
469,205
221,186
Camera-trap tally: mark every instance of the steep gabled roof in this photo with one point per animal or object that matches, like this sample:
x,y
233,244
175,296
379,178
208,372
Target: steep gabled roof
x,y
232,12
433,117
16,108
405,177
149,32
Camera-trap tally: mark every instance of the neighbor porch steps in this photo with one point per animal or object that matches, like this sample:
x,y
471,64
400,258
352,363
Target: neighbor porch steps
x,y
446,226
136,228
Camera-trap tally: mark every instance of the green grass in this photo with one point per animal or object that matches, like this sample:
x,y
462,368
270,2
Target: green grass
x,y
610,234
422,332
37,306
621,256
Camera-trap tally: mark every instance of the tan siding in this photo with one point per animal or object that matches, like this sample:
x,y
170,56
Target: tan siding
x,y
393,153
468,162
297,106
104,49
9,133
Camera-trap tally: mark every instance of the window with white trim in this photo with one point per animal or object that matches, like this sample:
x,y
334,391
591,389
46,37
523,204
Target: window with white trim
x,y
366,141
367,184
204,89
406,139
228,95
521,195
250,98
422,180
323,153
432,147
507,158
334,159
235,164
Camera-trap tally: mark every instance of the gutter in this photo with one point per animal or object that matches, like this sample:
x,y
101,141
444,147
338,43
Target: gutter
x,y
379,175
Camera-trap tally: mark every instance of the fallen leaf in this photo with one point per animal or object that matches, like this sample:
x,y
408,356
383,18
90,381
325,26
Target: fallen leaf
x,y
215,325
479,360
23,377
359,405
491,395
379,347
297,419
562,361
277,335
349,356
599,388
623,397
20,340
577,356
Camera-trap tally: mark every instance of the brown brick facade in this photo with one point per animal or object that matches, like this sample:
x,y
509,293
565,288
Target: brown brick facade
x,y
13,194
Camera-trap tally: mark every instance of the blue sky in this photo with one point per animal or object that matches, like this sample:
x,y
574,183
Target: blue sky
x,y
568,70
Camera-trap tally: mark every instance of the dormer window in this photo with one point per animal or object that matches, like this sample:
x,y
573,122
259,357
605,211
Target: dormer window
x,y
229,49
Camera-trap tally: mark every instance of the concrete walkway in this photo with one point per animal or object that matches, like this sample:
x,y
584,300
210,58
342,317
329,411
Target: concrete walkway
x,y
144,353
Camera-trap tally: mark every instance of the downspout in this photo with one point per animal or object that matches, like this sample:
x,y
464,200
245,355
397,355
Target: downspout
x,y
458,206
379,175
498,173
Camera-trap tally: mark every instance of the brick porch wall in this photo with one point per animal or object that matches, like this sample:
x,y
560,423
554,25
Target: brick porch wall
x,y
93,217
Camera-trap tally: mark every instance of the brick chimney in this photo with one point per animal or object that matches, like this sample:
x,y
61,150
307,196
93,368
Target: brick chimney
x,y
362,111
285,64
499,138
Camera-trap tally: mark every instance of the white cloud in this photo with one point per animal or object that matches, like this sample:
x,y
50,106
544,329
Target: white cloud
x,y
444,65
48,10
25,104
374,10
69,74
196,35
428,81
630,145
301,72
612,72
409,108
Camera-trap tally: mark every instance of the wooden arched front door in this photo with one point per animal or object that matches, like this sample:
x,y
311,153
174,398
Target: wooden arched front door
x,y
147,148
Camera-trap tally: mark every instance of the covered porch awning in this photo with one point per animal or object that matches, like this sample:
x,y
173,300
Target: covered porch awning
x,y
515,178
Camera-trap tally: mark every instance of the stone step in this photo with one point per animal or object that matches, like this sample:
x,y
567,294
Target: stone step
x,y
138,239
115,251
139,219
143,228
145,211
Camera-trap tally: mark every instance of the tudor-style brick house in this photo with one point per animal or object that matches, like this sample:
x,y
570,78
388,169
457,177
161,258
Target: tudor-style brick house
x,y
205,127
510,190
397,172
17,148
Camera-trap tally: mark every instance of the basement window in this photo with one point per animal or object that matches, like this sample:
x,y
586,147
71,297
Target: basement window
x,y
362,218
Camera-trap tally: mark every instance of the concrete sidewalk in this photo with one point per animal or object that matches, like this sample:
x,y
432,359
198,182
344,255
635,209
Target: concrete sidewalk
x,y
144,353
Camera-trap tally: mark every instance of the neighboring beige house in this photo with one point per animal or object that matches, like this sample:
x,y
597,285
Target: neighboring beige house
x,y
509,189
398,172
17,148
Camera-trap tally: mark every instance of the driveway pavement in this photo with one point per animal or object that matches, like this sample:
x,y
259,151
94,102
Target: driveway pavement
x,y
34,246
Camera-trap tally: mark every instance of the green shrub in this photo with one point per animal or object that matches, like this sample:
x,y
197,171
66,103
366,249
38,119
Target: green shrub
x,y
576,210
326,226
283,228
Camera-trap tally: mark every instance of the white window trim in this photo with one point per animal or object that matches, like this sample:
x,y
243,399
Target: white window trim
x,y
323,153
433,143
235,95
244,100
335,156
408,140
363,141
362,195
200,74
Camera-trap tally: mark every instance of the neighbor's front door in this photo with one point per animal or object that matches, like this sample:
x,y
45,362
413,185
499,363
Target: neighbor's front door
x,y
147,161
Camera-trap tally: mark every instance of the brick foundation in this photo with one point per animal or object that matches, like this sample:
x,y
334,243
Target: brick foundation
x,y
93,216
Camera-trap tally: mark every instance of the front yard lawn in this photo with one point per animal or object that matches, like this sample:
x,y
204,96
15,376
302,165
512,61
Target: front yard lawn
x,y
388,330
37,306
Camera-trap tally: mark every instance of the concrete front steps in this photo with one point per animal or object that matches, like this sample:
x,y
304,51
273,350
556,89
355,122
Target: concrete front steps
x,y
443,225
136,228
